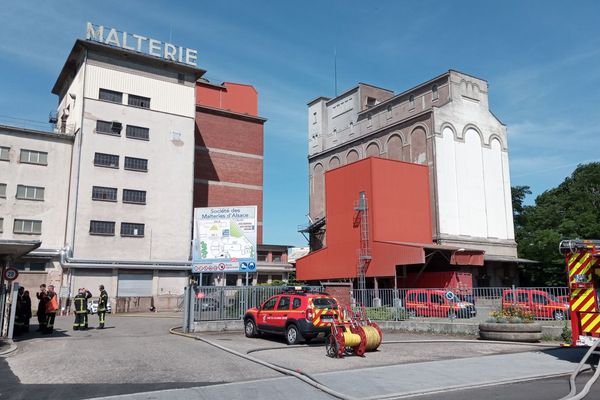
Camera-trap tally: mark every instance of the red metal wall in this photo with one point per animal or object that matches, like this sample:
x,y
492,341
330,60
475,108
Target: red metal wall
x,y
398,202
236,97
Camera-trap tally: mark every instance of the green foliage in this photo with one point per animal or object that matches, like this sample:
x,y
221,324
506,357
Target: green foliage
x,y
513,315
569,211
565,335
386,314
203,249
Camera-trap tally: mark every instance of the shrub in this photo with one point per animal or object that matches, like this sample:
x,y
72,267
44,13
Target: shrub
x,y
386,314
512,314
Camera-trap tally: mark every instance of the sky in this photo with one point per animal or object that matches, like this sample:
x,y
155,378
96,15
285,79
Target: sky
x,y
541,59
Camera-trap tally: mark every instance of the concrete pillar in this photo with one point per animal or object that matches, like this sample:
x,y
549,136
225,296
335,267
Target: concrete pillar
x,y
115,288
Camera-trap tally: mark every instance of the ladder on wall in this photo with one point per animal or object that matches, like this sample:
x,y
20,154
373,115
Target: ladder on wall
x,y
361,221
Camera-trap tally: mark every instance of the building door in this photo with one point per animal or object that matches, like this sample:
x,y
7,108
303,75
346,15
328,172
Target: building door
x,y
135,284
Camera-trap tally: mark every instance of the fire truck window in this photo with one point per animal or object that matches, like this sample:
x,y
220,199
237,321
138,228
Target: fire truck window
x,y
270,304
508,297
284,303
412,296
539,299
297,303
436,298
422,298
523,297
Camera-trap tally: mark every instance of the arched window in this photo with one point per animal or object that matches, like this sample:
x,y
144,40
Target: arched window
x,y
434,92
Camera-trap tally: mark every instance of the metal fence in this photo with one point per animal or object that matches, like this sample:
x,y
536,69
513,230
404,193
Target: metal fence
x,y
215,303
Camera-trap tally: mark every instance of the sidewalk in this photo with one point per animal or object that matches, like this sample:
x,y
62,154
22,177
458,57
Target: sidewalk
x,y
6,347
394,381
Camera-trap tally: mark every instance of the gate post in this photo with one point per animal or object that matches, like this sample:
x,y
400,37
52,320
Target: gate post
x,y
13,309
186,306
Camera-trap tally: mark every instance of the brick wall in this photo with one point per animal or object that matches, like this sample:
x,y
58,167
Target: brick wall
x,y
229,133
228,168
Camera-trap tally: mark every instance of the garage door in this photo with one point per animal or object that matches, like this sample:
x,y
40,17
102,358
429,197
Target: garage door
x,y
135,284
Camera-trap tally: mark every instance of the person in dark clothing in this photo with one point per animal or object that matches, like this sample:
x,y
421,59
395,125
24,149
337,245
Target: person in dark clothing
x,y
26,311
51,308
19,313
42,296
102,305
80,304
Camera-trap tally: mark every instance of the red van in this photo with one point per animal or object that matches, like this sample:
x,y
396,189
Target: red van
x,y
437,303
542,304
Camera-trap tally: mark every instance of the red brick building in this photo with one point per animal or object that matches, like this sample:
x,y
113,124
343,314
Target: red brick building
x,y
229,148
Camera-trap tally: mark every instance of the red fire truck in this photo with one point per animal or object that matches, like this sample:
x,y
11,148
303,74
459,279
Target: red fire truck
x,y
582,259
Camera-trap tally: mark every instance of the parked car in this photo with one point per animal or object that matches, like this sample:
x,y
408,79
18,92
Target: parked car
x,y
437,303
207,304
297,313
93,307
542,304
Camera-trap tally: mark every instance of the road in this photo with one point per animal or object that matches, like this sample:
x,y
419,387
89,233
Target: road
x,y
137,354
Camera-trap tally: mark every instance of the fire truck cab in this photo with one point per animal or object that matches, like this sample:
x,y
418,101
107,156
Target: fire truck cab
x,y
582,258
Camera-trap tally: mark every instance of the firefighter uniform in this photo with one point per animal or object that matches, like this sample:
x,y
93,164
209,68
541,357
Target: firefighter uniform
x,y
102,304
80,304
41,311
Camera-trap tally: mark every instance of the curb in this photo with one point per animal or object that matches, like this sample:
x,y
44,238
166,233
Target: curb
x,y
11,349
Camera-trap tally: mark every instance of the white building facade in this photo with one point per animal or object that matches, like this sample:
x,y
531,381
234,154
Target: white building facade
x,y
444,123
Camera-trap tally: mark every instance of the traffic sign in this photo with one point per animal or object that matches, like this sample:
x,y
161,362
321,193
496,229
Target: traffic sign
x,y
251,266
10,274
449,295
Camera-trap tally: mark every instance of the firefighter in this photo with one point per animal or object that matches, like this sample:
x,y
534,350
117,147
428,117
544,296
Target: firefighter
x,y
102,305
42,296
80,304
51,308
20,312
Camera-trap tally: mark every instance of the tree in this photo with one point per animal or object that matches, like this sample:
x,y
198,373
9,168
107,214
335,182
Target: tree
x,y
569,211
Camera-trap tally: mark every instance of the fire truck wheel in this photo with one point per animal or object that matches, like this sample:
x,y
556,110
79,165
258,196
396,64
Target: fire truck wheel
x,y
292,336
250,328
559,315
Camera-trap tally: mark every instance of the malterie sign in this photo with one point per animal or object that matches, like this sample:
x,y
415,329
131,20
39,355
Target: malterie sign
x,y
141,44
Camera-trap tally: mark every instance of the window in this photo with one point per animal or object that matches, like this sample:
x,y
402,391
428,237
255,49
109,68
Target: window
x,y
539,299
314,118
134,196
111,95
30,192
411,102
412,297
180,77
422,298
106,160
131,229
371,101
262,278
37,266
28,226
102,228
104,193
276,257
1,225
138,101
276,278
34,157
137,164
437,299
284,303
523,297
137,132
262,256
4,153
389,111
231,280
2,190
297,303
434,92
269,304
110,128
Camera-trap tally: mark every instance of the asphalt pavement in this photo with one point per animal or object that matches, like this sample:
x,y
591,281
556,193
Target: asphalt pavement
x,y
137,358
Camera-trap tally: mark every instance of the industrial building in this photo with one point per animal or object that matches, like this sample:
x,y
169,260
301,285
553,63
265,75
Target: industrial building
x,y
107,197
444,124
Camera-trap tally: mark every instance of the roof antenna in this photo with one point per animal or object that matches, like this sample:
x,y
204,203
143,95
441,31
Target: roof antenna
x,y
335,69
